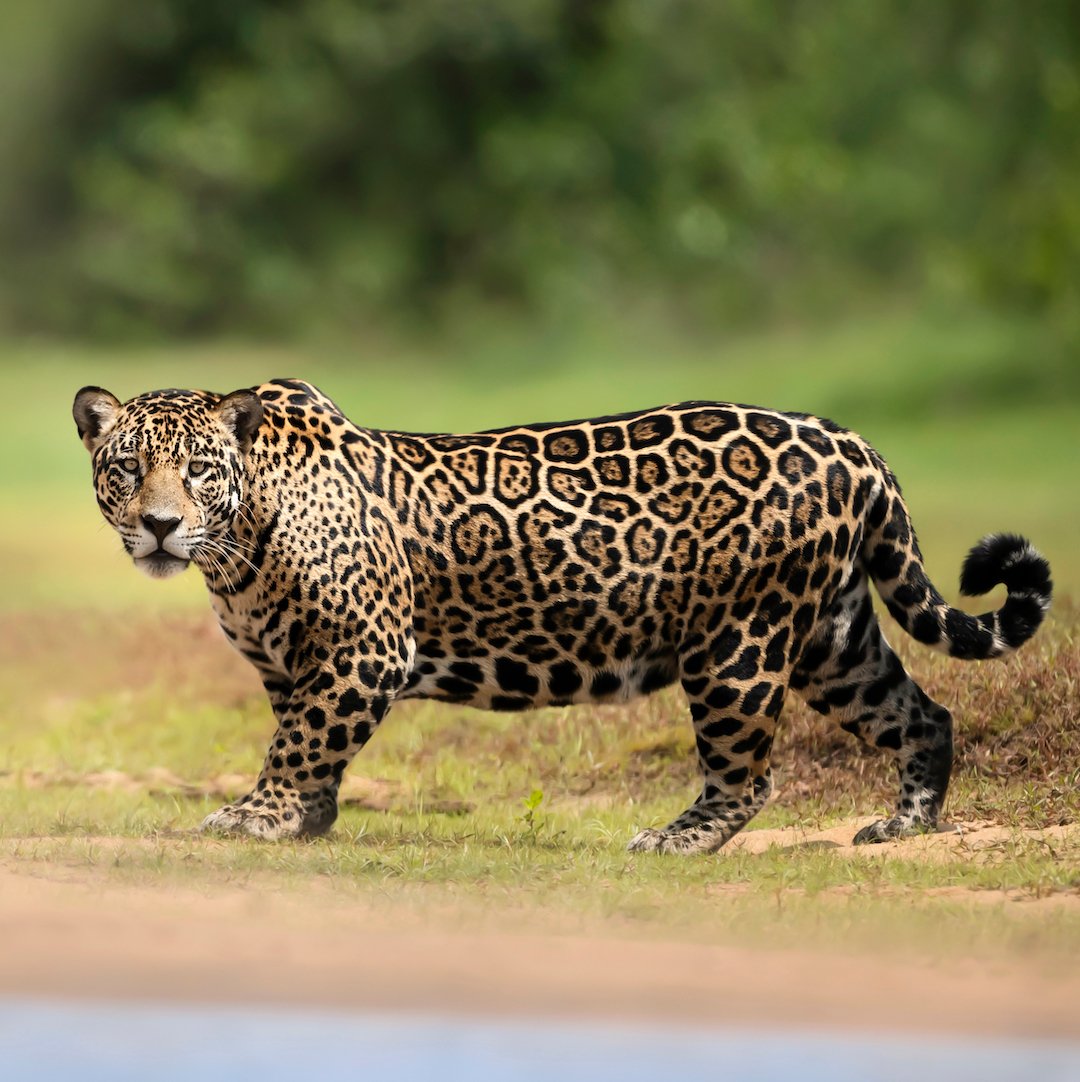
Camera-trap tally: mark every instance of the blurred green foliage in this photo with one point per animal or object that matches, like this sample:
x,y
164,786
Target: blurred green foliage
x,y
192,166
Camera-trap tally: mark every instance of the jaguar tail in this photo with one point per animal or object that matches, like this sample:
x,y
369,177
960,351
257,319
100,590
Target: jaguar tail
x,y
894,562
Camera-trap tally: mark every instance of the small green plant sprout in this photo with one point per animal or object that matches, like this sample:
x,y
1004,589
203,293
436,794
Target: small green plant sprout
x,y
529,817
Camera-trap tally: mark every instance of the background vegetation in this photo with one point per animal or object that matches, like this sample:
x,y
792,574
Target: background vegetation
x,y
185,166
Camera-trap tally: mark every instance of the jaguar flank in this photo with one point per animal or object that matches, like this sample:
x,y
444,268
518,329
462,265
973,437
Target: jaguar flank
x,y
729,548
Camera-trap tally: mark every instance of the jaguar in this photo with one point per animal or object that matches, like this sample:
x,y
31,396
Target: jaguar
x,y
729,548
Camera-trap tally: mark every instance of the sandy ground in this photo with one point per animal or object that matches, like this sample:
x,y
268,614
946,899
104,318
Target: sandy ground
x,y
70,932
953,841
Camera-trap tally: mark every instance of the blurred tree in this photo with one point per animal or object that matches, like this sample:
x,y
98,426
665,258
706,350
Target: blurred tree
x,y
263,164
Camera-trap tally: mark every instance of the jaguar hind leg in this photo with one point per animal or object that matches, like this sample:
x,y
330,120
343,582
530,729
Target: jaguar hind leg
x,y
850,672
736,687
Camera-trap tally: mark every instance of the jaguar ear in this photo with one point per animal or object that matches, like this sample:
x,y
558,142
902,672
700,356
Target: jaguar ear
x,y
95,414
242,412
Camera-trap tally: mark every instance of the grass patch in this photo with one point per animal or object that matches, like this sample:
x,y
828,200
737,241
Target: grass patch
x,y
153,724
1018,898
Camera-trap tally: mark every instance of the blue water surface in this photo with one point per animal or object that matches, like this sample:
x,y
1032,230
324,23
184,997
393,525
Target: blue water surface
x,y
45,1040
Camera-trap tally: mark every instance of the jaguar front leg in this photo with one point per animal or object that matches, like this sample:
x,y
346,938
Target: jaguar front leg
x,y
322,724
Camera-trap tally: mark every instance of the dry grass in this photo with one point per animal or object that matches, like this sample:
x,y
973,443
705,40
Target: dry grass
x,y
1017,734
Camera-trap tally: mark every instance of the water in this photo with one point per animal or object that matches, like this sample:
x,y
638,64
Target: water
x,y
46,1040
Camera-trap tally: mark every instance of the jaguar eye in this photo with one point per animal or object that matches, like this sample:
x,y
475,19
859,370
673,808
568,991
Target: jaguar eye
x,y
129,465
197,467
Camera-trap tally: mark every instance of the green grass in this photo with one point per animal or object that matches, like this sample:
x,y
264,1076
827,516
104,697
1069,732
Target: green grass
x,y
495,847
495,869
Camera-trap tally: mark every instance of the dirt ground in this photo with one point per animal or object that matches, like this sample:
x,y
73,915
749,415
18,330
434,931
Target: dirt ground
x,y
71,931
952,841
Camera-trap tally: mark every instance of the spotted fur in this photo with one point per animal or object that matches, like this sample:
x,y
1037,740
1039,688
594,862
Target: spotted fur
x,y
725,547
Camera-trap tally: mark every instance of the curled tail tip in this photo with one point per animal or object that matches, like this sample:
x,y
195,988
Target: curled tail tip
x,y
1011,560
1014,562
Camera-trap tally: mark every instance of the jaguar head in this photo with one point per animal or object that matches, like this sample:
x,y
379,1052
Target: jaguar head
x,y
169,470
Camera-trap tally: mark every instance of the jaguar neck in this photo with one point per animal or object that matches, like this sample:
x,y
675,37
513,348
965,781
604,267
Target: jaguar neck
x,y
234,561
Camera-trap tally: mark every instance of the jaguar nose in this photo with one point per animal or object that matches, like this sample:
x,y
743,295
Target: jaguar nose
x,y
160,527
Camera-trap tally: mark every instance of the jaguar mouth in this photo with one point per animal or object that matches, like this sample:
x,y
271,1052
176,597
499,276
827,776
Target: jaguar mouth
x,y
160,564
